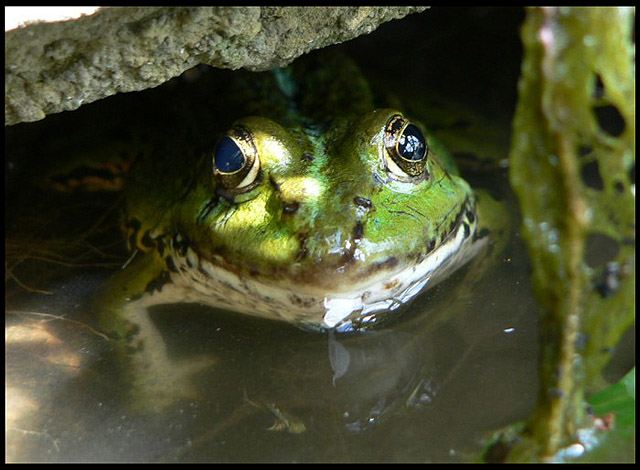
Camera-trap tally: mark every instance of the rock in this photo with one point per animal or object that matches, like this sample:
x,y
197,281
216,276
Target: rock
x,y
53,67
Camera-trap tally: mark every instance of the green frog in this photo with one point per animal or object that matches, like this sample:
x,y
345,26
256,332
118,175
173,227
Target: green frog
x,y
301,199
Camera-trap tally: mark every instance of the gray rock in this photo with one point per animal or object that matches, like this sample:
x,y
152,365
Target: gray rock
x,y
53,67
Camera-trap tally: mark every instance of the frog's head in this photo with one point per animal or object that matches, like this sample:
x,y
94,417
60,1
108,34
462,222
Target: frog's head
x,y
314,223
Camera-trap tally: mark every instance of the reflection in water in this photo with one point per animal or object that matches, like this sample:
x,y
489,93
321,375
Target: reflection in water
x,y
372,374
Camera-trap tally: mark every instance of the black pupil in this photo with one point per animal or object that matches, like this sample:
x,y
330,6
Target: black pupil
x,y
229,157
411,144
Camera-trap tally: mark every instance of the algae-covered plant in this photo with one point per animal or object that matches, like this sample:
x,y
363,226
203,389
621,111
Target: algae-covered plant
x,y
572,166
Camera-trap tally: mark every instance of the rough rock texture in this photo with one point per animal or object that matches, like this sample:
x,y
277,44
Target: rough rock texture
x,y
53,67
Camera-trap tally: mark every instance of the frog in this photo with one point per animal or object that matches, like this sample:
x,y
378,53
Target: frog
x,y
295,196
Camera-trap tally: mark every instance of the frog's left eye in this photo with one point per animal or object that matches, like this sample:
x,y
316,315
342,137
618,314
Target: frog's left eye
x,y
406,147
235,161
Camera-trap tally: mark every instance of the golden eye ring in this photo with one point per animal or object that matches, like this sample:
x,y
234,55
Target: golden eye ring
x,y
236,164
406,147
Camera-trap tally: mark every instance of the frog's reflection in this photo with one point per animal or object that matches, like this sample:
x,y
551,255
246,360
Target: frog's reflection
x,y
374,373
307,379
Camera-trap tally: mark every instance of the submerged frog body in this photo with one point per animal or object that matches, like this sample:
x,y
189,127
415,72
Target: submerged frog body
x,y
313,206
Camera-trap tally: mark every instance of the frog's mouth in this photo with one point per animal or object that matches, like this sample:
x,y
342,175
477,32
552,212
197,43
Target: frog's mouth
x,y
393,289
384,287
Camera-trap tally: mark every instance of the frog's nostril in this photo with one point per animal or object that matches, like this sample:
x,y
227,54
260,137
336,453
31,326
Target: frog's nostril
x,y
291,208
308,157
362,202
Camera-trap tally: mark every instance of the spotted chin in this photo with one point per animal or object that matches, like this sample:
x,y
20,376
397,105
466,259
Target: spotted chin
x,y
209,281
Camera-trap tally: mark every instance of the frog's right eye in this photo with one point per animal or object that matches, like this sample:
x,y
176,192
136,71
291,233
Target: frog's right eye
x,y
235,161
